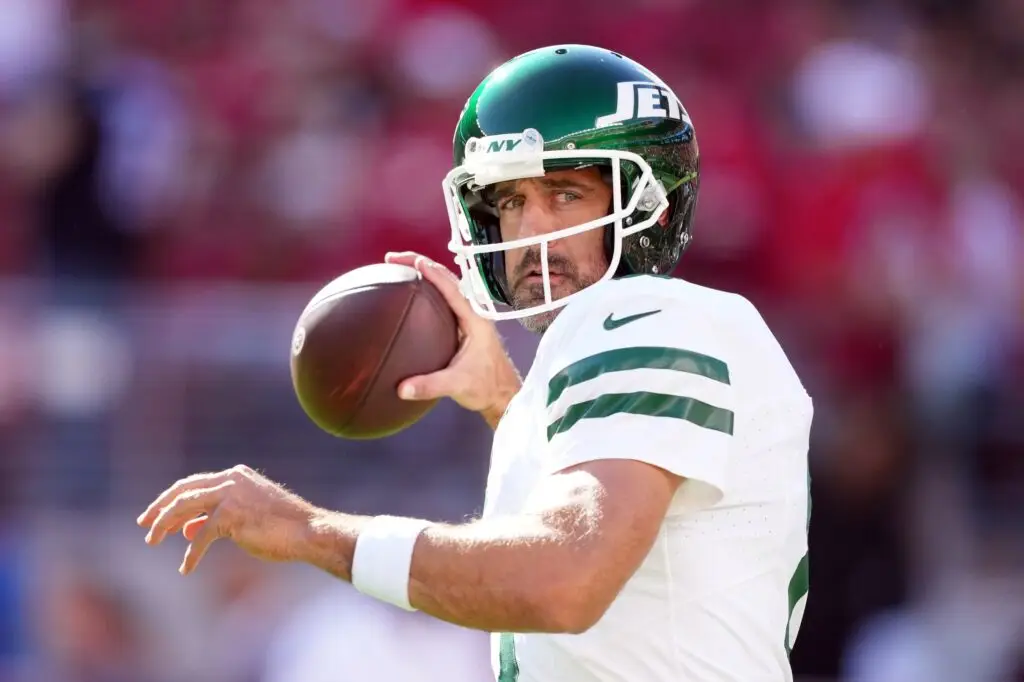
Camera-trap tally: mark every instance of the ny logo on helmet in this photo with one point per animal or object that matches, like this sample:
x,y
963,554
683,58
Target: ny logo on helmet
x,y
642,99
502,145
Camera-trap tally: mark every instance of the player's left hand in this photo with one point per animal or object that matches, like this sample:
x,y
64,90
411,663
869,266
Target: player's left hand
x,y
260,516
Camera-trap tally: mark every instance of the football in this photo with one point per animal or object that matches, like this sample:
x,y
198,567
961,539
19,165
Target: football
x,y
359,338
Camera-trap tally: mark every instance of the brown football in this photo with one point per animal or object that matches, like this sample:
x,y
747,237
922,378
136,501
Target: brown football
x,y
362,335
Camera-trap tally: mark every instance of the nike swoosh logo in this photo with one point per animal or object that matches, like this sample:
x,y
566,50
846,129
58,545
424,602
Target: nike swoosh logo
x,y
611,324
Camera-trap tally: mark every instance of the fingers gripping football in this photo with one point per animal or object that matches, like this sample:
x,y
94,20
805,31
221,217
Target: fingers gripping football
x,y
481,375
445,281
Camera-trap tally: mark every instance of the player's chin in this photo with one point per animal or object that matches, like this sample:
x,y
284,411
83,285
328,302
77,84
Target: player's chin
x,y
538,323
530,295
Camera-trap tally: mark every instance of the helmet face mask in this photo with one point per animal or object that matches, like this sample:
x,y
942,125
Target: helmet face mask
x,y
462,187
579,106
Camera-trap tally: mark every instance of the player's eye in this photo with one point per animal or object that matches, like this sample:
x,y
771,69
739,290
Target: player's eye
x,y
510,203
568,197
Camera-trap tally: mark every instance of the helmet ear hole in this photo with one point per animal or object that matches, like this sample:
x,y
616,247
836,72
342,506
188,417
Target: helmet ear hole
x,y
629,262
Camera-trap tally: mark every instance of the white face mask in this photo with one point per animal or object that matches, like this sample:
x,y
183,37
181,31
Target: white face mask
x,y
500,158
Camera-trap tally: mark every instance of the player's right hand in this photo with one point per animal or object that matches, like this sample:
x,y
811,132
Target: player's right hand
x,y
481,376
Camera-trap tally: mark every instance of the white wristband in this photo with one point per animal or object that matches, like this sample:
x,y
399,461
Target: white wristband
x,y
383,557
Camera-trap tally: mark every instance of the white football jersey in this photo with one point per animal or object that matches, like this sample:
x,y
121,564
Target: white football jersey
x,y
691,380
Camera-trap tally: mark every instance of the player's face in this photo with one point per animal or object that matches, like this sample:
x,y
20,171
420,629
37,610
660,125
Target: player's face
x,y
538,206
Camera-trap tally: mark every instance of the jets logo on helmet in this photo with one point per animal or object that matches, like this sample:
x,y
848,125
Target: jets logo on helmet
x,y
643,99
566,107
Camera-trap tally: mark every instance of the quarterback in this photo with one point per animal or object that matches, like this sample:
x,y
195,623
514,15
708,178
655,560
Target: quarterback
x,y
647,504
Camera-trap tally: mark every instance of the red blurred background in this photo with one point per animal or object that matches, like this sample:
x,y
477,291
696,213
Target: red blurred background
x,y
177,177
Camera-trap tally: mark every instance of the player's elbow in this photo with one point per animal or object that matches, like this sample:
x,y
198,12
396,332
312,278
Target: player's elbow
x,y
575,618
572,606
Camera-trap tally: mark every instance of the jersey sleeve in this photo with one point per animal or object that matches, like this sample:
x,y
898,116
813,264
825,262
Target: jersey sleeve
x,y
651,390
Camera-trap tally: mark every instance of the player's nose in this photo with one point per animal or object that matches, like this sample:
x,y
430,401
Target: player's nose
x,y
537,219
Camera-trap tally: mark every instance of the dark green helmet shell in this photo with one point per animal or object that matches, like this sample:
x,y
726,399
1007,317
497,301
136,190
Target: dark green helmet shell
x,y
587,98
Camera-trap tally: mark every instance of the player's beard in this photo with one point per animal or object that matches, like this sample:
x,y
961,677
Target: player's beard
x,y
530,294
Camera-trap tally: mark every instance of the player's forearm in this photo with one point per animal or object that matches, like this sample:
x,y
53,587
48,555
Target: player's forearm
x,y
513,575
499,576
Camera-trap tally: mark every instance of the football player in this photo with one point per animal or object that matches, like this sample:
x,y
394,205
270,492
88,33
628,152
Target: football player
x,y
647,504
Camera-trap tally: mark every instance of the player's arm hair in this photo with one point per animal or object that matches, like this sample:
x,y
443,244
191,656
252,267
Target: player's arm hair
x,y
556,567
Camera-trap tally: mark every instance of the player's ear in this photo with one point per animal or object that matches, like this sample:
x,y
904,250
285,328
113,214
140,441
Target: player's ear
x,y
663,218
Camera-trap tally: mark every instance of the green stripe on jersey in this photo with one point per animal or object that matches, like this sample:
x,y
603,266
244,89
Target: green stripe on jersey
x,y
641,357
646,404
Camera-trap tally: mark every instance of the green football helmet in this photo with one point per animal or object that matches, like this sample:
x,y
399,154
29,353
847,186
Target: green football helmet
x,y
565,107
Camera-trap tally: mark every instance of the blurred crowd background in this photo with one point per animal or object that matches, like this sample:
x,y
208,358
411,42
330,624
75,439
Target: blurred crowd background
x,y
178,177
